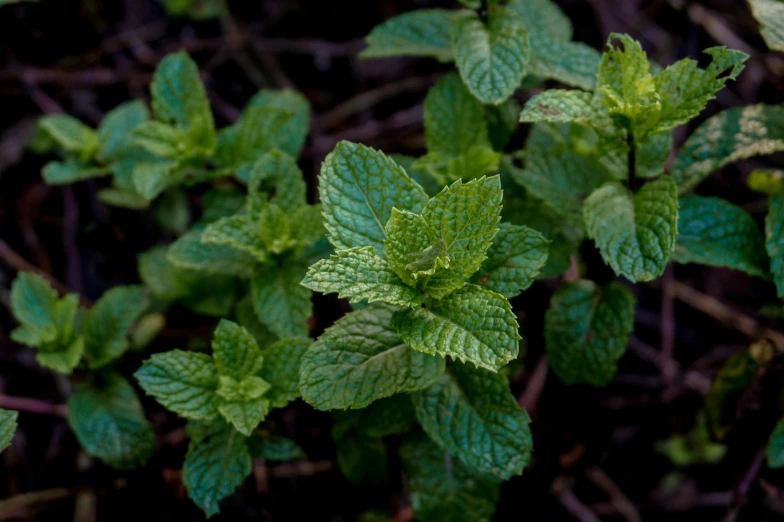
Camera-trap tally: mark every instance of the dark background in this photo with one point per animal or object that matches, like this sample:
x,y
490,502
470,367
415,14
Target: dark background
x,y
595,449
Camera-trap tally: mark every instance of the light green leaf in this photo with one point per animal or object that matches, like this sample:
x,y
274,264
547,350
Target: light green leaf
x,y
470,413
635,233
587,329
244,415
412,249
571,63
235,351
71,171
123,199
465,217
714,232
282,362
178,97
471,324
70,135
160,139
64,360
8,425
109,422
442,489
217,462
775,452
766,181
625,79
238,233
358,187
360,360
543,18
770,15
114,132
183,382
189,252
275,229
107,324
731,135
424,32
33,301
257,132
492,59
291,137
774,239
514,260
153,177
275,175
560,105
280,302
358,274
307,225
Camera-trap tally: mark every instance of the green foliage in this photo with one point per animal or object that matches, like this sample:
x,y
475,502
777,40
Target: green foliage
x,y
775,451
196,9
8,425
770,15
774,239
418,33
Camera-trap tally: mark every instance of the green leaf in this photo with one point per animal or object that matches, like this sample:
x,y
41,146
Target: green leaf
x,y
150,178
109,422
282,362
470,413
33,301
358,187
160,139
442,489
123,199
502,123
292,136
766,181
514,260
70,171
235,351
543,18
731,135
560,105
183,382
775,452
413,251
625,79
571,63
275,229
8,425
245,415
424,32
280,302
770,15
275,175
307,225
178,97
360,458
428,182
774,239
465,217
587,329
360,360
70,135
492,59
65,360
472,324
257,132
358,275
189,252
114,132
274,448
217,462
107,324
714,232
238,233
635,233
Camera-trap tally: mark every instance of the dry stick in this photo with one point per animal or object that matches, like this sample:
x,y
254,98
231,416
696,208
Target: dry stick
x,y
743,487
692,379
723,313
618,499
530,397
32,406
569,500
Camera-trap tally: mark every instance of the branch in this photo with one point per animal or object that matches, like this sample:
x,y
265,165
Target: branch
x,y
33,406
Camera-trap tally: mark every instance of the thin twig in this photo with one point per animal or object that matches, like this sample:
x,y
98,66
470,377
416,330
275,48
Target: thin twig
x,y
668,369
530,397
563,491
32,406
617,497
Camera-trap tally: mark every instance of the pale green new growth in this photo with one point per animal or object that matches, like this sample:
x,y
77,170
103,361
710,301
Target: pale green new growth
x,y
8,425
587,329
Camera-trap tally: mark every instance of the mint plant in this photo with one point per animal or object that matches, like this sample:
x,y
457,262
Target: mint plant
x,y
8,424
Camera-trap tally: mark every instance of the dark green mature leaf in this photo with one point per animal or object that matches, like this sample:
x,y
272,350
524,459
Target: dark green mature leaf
x,y
731,135
587,329
471,324
775,451
291,137
107,324
444,490
238,233
8,425
714,232
34,302
258,131
282,362
281,303
178,97
109,422
71,171
359,187
571,63
275,176
358,275
361,359
114,132
470,413
514,260
360,458
770,15
189,252
635,233
217,462
424,32
183,382
274,448
492,59
774,239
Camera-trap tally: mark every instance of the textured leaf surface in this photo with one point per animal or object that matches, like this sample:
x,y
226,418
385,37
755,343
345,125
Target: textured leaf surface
x,y
274,448
71,171
492,59
8,427
217,462
775,452
424,32
33,302
238,233
115,129
358,274
359,187
470,413
513,261
408,239
442,489
774,239
731,135
635,234
109,422
770,15
587,329
282,363
183,382
361,359
245,415
257,132
714,232
275,176
625,79
189,252
292,136
235,351
543,17
280,301
559,105
472,324
107,324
